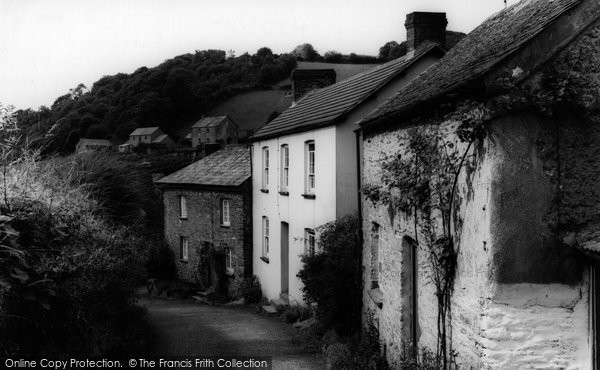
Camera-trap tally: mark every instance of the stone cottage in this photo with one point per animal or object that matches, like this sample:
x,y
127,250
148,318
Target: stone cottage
x,y
98,145
214,131
481,204
208,225
145,135
305,166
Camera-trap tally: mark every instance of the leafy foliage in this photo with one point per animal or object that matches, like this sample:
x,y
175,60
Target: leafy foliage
x,y
66,275
332,276
170,95
251,290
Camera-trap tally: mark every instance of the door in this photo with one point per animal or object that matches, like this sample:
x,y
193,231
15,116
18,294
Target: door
x,y
285,257
595,314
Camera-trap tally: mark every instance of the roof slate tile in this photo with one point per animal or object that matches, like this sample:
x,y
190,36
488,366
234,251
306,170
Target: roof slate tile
x,y
485,47
227,167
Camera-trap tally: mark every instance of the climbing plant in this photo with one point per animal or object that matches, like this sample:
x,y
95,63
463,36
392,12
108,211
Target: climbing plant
x,y
421,179
421,182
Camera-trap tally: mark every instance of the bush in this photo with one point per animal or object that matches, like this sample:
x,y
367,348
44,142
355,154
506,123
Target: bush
x,y
161,263
332,276
251,290
67,275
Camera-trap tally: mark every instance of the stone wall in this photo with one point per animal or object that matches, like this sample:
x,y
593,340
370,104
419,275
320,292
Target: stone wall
x,y
520,296
203,225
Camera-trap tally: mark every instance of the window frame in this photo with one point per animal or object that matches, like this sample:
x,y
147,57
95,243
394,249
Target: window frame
x,y
183,248
183,211
265,168
229,261
310,241
309,167
265,237
225,216
285,167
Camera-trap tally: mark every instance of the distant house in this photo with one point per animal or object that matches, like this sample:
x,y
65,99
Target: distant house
x,y
93,144
501,264
214,130
163,142
207,213
305,166
144,135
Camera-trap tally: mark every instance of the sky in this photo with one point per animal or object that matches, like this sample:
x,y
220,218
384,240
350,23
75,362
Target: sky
x,y
48,47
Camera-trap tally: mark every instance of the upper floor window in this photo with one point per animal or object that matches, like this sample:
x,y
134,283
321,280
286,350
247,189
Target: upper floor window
x,y
310,167
285,167
183,248
225,214
265,162
183,207
309,241
265,232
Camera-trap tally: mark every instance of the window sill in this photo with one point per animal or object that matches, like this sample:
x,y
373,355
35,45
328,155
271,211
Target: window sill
x,y
183,261
284,193
264,190
229,271
265,259
377,296
309,196
183,218
225,225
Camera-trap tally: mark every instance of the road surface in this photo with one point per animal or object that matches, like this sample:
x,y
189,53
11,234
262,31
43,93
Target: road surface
x,y
184,328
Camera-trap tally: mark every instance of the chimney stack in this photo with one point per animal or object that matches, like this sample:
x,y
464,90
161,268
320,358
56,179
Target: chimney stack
x,y
305,80
422,27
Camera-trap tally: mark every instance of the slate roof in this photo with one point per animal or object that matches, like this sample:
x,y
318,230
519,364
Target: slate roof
x,y
323,107
209,121
485,47
227,167
95,142
160,138
144,131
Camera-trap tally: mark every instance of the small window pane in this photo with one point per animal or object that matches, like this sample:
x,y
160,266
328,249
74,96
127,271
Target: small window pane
x,y
182,206
225,212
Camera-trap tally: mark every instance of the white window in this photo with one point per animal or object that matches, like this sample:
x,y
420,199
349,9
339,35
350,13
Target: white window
x,y
309,241
265,230
225,215
265,160
183,248
228,260
376,256
310,167
265,236
285,167
182,206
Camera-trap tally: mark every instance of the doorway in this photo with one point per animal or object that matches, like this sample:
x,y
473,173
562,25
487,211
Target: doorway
x,y
285,258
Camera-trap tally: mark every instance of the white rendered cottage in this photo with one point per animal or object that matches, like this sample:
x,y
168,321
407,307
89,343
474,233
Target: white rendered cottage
x,y
304,165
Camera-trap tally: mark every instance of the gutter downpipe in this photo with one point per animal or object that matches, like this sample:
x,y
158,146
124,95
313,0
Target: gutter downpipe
x,y
360,218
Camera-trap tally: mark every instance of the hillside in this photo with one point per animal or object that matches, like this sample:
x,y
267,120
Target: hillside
x,y
251,110
170,96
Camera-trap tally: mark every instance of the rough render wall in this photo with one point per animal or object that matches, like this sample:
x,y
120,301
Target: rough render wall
x,y
494,322
203,225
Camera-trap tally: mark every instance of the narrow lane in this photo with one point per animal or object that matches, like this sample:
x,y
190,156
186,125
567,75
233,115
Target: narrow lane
x,y
185,328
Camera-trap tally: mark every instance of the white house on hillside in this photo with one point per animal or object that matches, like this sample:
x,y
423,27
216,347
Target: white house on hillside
x,y
304,167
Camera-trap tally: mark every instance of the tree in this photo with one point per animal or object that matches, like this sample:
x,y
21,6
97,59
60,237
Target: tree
x,y
332,276
333,57
392,50
97,132
306,52
263,52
